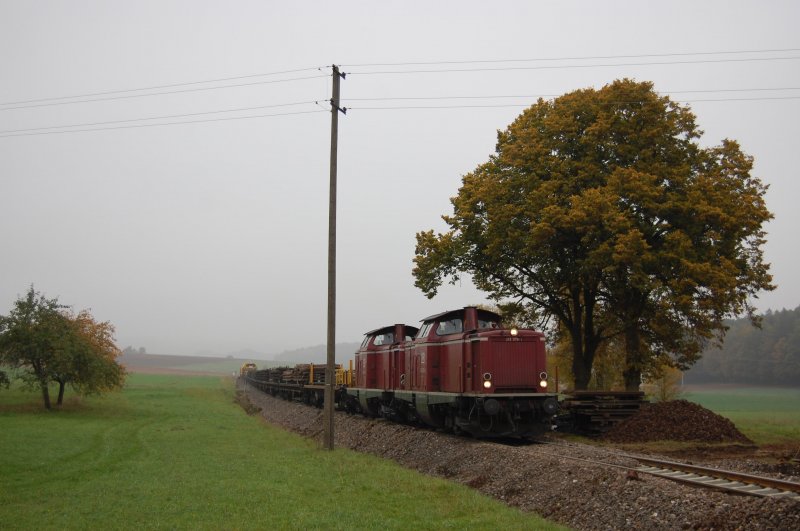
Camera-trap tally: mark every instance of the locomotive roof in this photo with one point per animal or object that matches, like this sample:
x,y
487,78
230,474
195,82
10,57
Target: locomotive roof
x,y
481,312
409,328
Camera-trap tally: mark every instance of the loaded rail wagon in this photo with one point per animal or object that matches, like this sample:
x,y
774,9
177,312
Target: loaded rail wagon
x,y
304,382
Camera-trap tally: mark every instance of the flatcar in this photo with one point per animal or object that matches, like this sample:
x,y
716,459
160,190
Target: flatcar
x,y
461,371
304,382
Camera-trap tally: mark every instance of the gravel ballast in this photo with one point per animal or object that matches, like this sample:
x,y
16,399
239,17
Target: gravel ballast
x,y
543,478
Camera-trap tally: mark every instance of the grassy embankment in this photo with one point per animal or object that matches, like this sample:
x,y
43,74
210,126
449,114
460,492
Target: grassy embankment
x,y
767,415
176,452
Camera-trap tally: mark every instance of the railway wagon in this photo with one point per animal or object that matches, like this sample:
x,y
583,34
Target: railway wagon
x,y
461,371
304,382
247,368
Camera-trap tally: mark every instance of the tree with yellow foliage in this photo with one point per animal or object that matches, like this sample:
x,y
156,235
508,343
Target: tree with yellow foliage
x,y
88,359
600,211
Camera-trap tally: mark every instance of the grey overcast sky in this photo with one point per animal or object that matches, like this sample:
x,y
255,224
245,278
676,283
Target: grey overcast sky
x,y
212,236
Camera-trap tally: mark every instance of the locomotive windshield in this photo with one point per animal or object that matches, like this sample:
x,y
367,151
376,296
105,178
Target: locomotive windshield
x,y
451,326
488,323
423,332
384,339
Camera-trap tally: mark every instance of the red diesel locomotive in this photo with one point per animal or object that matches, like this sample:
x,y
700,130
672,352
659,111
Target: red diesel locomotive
x,y
460,371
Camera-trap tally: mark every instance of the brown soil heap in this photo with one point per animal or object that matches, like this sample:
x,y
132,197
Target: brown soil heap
x,y
677,420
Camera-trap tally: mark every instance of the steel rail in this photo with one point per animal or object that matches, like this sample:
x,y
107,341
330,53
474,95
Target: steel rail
x,y
699,476
727,480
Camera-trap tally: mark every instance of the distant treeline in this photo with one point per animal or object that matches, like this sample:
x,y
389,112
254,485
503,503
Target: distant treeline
x,y
766,356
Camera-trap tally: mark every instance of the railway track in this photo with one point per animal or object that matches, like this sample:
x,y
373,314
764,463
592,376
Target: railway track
x,y
725,480
700,476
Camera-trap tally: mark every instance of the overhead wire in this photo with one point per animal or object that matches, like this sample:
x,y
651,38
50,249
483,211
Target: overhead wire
x,y
69,127
579,58
166,117
156,87
162,124
22,104
9,132
499,105
559,67
390,98
121,93
536,96
162,93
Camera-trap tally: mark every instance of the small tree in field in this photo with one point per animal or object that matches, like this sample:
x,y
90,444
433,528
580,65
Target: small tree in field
x,y
30,337
46,343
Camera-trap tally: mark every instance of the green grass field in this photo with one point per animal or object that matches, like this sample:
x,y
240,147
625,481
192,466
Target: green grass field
x,y
767,415
175,452
221,366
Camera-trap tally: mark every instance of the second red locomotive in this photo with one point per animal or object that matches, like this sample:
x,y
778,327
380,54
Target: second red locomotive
x,y
461,371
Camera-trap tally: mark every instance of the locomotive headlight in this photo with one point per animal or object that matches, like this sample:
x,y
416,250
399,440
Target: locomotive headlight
x,y
543,384
543,380
514,331
487,384
487,380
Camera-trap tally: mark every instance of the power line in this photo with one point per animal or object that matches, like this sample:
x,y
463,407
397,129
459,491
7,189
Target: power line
x,y
499,105
52,101
419,63
156,87
155,117
393,98
583,58
559,67
390,98
162,93
13,132
167,123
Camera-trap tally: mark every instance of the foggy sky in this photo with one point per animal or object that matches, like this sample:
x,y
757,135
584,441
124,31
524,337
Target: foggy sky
x,y
212,237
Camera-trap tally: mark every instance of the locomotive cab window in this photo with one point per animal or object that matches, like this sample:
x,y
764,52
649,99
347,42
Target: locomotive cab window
x,y
488,323
384,339
423,332
451,326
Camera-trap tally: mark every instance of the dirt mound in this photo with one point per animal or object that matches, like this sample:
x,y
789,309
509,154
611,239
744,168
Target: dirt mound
x,y
677,420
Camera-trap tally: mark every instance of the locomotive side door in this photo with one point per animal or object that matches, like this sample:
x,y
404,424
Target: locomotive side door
x,y
468,365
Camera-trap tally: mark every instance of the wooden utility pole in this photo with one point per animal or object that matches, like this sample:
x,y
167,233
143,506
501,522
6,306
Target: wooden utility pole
x,y
330,372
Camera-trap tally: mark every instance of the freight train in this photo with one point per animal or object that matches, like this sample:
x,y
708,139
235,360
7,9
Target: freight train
x,y
460,371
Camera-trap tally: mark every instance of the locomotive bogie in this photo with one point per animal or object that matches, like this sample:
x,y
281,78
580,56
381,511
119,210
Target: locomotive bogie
x,y
498,415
